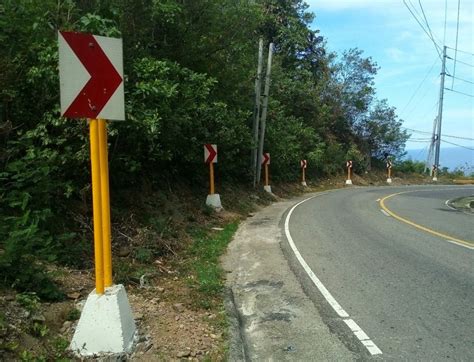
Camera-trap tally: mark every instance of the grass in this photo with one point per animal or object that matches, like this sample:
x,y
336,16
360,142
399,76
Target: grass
x,y
205,251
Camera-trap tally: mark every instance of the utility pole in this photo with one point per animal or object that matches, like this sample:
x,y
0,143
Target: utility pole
x,y
429,159
256,112
264,112
440,112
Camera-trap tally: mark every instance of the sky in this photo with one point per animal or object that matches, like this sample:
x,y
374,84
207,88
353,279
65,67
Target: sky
x,y
409,74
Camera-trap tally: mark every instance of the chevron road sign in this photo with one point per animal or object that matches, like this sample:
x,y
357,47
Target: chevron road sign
x,y
266,159
210,153
91,76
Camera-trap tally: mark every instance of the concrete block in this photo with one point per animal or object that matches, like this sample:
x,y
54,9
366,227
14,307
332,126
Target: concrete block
x,y
348,182
106,325
435,179
268,188
389,180
214,201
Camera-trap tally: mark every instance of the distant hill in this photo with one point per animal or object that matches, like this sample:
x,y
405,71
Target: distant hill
x,y
452,158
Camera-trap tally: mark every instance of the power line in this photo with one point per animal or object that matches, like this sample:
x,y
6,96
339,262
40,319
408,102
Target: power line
x,y
445,17
443,135
463,80
455,91
462,51
456,51
419,86
420,99
460,61
426,20
422,27
458,145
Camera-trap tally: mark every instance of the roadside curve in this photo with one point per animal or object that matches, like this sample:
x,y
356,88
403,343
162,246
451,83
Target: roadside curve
x,y
407,290
449,238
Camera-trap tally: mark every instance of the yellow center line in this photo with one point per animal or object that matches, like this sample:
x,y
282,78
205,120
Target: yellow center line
x,y
469,244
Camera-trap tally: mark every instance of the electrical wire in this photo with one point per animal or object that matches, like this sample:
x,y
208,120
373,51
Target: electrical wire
x,y
419,100
460,61
437,47
426,20
445,17
443,135
419,86
458,145
455,91
456,51
463,80
461,51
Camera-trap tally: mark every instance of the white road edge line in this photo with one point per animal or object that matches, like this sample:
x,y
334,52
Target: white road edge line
x,y
458,244
358,332
384,212
448,205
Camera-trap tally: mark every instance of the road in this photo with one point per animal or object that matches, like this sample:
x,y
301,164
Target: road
x,y
401,267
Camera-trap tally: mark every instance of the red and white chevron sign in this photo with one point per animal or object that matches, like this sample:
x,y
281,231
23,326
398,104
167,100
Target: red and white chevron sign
x,y
266,159
389,164
303,163
349,164
91,76
210,153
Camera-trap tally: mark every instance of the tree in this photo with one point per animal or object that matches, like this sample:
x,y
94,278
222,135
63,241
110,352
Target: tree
x,y
381,132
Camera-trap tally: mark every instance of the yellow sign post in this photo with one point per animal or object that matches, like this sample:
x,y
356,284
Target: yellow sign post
x,y
211,179
266,175
101,204
96,205
105,202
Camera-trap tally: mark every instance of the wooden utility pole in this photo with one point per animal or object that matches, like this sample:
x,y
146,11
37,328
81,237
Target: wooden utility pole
x,y
264,111
256,112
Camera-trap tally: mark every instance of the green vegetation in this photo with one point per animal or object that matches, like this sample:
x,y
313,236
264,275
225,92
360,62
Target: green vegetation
x,y
190,69
208,278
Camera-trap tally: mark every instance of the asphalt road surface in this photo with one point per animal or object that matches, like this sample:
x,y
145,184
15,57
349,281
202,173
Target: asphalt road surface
x,y
401,266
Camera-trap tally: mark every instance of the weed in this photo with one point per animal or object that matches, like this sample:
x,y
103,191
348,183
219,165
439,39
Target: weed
x,y
60,346
29,301
27,356
143,255
39,330
206,250
10,346
73,314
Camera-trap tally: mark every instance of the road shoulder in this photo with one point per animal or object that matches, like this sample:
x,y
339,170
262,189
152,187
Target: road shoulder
x,y
271,317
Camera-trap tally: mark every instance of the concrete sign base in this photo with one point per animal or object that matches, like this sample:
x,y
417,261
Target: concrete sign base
x,y
106,325
348,182
268,188
304,183
214,201
389,180
435,178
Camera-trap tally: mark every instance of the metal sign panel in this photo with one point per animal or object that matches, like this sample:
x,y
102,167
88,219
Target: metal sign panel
x,y
210,153
91,76
266,159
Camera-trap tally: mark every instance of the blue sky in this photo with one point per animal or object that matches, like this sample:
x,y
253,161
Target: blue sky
x,y
386,31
